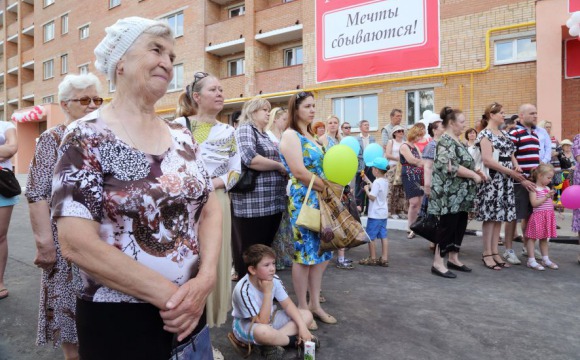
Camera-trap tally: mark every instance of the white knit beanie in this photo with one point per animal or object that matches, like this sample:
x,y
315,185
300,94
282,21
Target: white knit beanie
x,y
118,40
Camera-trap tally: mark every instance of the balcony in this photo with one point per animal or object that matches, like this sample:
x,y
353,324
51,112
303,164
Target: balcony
x,y
13,62
12,94
279,36
28,24
13,28
1,17
233,86
12,6
28,57
292,15
291,76
28,91
222,2
226,34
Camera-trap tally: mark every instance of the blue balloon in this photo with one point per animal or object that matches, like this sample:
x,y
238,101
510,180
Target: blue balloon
x,y
372,151
352,143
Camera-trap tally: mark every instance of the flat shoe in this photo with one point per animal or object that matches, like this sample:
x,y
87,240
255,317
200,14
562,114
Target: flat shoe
x,y
3,293
462,268
448,274
411,235
313,326
327,319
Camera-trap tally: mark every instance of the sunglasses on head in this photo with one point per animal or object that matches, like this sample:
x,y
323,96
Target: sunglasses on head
x,y
196,77
303,94
85,100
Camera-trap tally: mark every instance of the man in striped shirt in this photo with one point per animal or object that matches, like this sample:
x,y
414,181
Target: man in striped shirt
x,y
528,156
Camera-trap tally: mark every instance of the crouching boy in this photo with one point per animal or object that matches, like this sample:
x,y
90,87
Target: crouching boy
x,y
256,319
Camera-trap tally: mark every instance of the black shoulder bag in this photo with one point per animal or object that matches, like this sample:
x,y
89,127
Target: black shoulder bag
x,y
247,180
9,186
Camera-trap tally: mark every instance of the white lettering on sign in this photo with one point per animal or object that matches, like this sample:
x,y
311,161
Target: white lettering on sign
x,y
373,27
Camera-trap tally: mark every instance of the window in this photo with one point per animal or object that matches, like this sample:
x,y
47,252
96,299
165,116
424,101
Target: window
x,y
236,67
515,50
353,109
176,23
48,67
48,31
64,24
112,87
417,102
113,3
48,99
84,69
64,64
84,32
48,2
177,81
293,56
237,10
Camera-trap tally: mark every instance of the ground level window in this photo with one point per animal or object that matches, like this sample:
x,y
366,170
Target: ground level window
x,y
353,109
417,102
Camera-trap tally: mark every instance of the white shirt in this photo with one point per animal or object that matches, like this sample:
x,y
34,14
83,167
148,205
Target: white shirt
x,y
4,127
378,208
247,300
545,145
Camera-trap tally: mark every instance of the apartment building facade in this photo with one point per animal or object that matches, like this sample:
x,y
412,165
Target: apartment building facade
x,y
488,53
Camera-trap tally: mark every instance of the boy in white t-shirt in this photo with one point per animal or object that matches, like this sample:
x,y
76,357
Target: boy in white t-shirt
x,y
256,319
378,213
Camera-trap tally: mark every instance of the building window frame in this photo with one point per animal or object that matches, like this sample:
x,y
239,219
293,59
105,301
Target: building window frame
x,y
84,31
48,31
48,99
519,47
176,83
417,101
354,108
236,10
114,3
236,67
293,56
64,64
176,23
64,24
46,3
83,69
48,69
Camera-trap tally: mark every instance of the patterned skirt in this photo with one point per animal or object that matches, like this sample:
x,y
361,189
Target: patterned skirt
x,y
542,225
283,243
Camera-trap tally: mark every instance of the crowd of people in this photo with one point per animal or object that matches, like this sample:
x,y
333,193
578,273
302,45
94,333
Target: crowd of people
x,y
142,223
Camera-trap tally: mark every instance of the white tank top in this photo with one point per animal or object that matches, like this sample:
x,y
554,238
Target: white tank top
x,y
396,147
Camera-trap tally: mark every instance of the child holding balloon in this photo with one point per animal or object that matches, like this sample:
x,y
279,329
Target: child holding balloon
x,y
378,212
542,222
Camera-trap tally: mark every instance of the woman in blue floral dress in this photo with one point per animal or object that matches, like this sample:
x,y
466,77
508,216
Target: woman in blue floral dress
x,y
303,159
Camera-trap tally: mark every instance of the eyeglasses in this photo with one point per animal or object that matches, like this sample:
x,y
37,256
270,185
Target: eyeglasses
x,y
85,100
303,94
196,77
346,127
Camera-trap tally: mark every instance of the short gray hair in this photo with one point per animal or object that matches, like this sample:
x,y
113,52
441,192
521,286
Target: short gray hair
x,y
72,83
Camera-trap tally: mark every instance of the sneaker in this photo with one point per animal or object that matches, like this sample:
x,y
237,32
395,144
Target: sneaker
x,y
368,261
510,256
537,253
348,261
344,265
394,216
272,352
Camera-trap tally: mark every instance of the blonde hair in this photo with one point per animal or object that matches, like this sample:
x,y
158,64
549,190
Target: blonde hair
x,y
541,170
275,114
250,107
415,132
338,137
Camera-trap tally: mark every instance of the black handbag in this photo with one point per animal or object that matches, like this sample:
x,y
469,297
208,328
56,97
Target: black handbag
x,y
247,180
426,224
565,163
9,186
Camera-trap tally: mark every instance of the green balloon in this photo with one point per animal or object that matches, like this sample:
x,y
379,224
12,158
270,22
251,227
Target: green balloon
x,y
340,164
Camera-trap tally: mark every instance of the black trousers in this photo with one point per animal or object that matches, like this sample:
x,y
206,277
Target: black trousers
x,y
249,231
362,199
124,331
451,231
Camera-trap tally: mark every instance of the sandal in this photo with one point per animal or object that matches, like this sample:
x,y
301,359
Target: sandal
x,y
3,293
411,235
491,267
535,266
326,318
552,265
368,261
383,263
501,264
241,347
313,326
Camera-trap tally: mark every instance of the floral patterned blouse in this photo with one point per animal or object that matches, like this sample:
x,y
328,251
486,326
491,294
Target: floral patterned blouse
x,y
451,194
148,206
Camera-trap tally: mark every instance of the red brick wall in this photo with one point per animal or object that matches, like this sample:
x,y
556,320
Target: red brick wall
x,y
570,108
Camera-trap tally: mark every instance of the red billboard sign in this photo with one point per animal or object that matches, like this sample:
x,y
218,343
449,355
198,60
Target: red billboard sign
x,y
357,38
573,5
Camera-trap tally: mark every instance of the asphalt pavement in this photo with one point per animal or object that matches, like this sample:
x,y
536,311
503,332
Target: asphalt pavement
x,y
399,312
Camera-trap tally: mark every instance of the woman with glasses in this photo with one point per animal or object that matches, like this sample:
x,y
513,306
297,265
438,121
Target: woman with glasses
x,y
198,109
135,210
303,158
78,96
496,198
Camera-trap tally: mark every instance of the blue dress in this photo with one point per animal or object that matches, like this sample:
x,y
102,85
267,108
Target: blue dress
x,y
306,242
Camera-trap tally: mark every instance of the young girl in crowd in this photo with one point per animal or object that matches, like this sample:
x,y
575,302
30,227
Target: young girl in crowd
x,y
378,213
542,222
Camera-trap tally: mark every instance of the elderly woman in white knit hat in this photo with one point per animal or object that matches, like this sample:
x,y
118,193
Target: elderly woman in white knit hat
x,y
135,210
